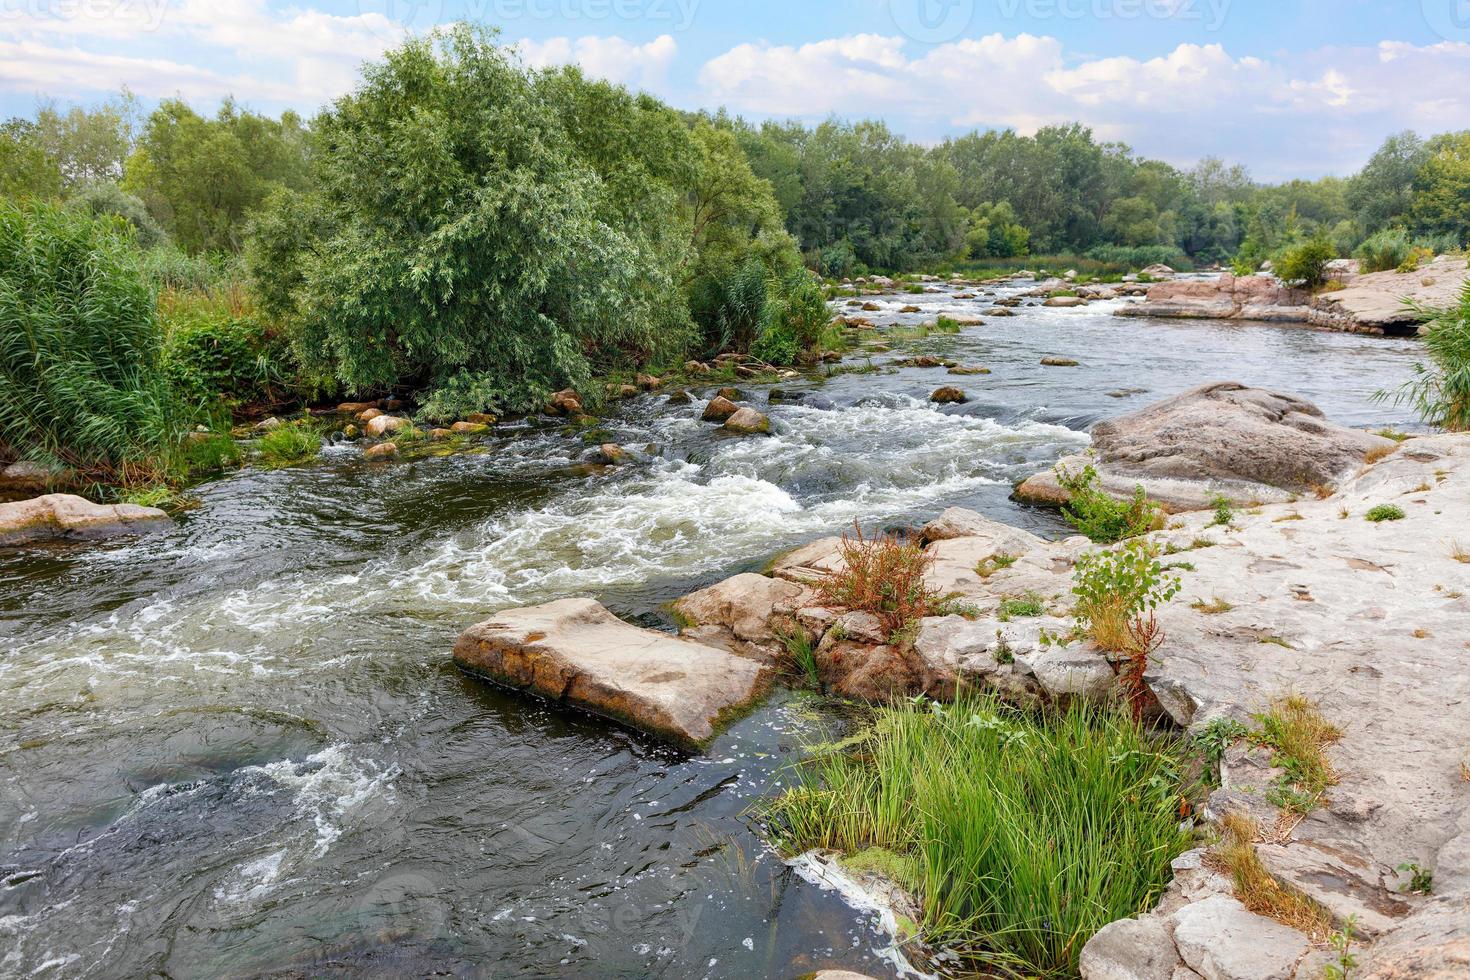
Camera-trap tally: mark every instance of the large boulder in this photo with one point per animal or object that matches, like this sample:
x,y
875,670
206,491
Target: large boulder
x,y
576,652
1246,444
68,517
958,522
1227,298
1385,302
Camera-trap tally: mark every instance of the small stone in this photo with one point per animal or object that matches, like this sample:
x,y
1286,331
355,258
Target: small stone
x,y
351,432
368,414
384,424
680,397
949,396
269,425
1059,362
719,409
747,421
648,382
480,418
964,371
566,402
439,435
733,394
469,428
383,450
1065,302
612,453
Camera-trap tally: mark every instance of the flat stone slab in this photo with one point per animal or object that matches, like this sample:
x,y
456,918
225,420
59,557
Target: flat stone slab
x,y
576,652
67,517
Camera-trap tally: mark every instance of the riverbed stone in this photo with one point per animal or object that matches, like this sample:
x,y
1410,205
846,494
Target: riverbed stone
x,y
384,424
1228,297
65,516
1221,940
469,428
957,522
577,653
949,396
382,451
719,409
748,421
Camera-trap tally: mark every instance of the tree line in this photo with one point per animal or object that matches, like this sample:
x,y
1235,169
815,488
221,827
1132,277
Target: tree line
x,y
479,233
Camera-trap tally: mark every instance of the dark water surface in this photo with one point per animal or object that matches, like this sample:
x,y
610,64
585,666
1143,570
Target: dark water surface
x,y
239,748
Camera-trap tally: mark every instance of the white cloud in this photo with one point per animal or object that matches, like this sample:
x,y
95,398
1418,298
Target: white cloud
x,y
612,58
1317,111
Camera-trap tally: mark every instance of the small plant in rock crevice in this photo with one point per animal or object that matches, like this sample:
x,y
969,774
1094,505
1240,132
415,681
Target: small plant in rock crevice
x,y
1385,512
1255,887
1224,513
1029,607
883,576
1115,587
1346,962
803,655
1298,734
1421,880
1102,518
1145,638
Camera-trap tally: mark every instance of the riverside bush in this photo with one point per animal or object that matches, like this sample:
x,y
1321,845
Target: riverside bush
x,y
1440,390
883,576
1114,588
81,383
1307,263
1021,838
1099,516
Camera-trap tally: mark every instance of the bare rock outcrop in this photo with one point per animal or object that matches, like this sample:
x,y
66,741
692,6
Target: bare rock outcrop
x,y
1249,445
1385,302
576,652
68,517
1229,297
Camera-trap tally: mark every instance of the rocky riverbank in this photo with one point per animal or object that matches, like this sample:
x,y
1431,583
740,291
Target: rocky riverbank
x,y
1380,303
1353,597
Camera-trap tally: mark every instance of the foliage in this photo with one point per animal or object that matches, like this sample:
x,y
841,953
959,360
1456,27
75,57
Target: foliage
x,y
1114,587
80,380
89,145
109,199
1100,516
1384,250
997,816
1224,513
1440,391
883,576
1421,880
801,649
220,360
26,171
1145,638
202,178
1345,961
1307,263
1029,606
1386,512
1295,729
289,445
1257,889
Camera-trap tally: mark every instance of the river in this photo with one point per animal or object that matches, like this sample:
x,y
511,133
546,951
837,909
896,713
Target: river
x,y
239,748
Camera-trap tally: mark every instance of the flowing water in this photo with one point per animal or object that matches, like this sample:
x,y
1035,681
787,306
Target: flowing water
x,y
239,748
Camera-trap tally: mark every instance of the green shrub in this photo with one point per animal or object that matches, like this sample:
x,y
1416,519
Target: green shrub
x,y
1102,518
1021,838
1114,587
217,360
1386,512
1384,250
1307,263
109,200
80,379
1416,257
289,445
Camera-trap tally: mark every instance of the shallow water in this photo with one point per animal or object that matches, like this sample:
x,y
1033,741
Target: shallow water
x,y
240,748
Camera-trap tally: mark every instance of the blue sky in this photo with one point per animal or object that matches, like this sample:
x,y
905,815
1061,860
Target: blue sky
x,y
1290,89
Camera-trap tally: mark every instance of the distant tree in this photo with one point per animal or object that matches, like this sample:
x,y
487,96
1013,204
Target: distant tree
x,y
26,171
89,145
1442,188
1382,193
109,199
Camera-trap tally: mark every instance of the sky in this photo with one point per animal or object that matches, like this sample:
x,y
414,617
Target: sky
x,y
1289,89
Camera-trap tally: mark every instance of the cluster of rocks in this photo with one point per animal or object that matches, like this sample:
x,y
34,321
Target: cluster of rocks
x,y
1380,303
741,420
1302,595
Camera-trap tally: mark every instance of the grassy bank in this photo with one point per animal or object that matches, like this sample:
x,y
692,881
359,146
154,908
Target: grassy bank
x,y
1020,837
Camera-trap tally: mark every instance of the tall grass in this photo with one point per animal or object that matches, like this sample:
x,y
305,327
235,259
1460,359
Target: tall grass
x,y
80,380
1440,390
1025,836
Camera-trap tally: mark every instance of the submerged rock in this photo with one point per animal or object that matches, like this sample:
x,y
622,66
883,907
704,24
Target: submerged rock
x,y
69,517
469,428
383,450
578,653
1059,362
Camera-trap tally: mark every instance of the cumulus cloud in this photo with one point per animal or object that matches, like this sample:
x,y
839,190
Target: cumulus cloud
x,y
1316,112
612,58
